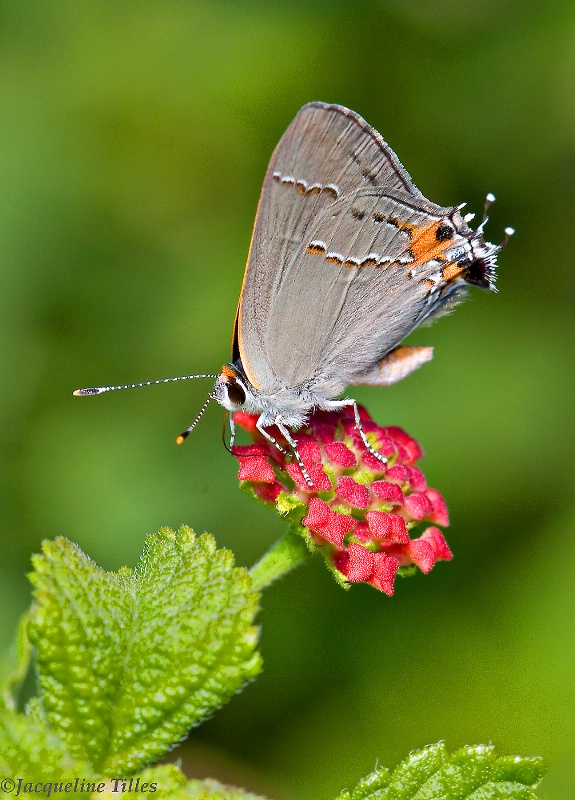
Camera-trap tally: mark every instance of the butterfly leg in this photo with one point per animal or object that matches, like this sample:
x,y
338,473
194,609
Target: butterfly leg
x,y
232,430
353,403
270,438
293,444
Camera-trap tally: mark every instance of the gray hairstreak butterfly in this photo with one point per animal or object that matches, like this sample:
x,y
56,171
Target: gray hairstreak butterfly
x,y
347,258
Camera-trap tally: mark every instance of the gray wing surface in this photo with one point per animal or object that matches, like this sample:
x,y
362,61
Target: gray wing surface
x,y
326,291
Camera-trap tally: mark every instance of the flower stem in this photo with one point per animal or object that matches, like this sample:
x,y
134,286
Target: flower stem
x,y
287,553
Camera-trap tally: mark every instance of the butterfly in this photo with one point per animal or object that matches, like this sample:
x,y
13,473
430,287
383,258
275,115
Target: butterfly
x,y
347,258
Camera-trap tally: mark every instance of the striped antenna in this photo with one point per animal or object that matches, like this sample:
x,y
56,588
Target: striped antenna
x,y
508,234
183,436
102,389
489,200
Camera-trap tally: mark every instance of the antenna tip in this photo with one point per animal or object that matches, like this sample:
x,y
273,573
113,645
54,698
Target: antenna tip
x,y
182,437
86,392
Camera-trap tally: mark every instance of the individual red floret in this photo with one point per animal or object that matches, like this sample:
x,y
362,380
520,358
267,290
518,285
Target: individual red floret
x,y
389,492
386,446
399,473
321,482
417,505
437,541
372,462
417,479
340,454
308,449
410,446
317,513
384,570
254,465
356,563
268,492
390,527
335,528
330,525
439,513
354,493
362,532
422,554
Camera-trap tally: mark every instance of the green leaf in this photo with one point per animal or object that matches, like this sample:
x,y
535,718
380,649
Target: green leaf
x,y
33,752
129,661
472,773
14,665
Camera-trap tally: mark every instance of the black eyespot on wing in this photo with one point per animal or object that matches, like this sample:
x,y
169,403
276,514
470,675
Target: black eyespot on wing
x,y
480,272
444,232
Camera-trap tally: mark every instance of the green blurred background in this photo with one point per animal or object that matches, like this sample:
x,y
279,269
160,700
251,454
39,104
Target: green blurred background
x,y
134,137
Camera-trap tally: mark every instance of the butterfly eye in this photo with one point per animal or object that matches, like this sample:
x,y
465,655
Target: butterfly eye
x,y
236,392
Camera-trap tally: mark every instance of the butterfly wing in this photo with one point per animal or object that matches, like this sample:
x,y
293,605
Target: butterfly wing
x,y
342,246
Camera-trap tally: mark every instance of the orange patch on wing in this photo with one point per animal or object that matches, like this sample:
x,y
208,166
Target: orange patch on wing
x,y
316,250
451,271
424,244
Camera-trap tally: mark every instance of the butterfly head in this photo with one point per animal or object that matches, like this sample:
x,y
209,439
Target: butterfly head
x,y
232,390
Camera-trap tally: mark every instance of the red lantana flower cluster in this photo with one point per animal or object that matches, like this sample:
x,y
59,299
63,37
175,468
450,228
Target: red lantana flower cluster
x,y
359,512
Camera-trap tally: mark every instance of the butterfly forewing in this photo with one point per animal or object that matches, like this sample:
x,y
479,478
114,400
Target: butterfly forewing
x,y
332,245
